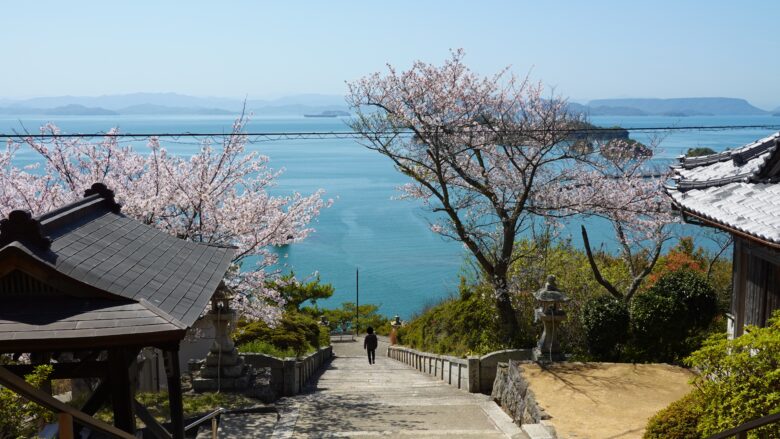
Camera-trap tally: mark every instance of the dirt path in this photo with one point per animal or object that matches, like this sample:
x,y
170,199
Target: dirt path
x,y
605,400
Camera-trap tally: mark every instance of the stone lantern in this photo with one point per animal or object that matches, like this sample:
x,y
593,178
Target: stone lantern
x,y
324,321
550,299
224,368
395,324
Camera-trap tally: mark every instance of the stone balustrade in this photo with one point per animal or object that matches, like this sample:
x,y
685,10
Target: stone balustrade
x,y
473,374
290,375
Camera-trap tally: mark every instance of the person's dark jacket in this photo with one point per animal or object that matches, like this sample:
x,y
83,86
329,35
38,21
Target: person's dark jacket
x,y
370,342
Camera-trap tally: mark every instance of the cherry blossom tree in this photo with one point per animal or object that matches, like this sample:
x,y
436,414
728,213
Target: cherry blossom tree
x,y
218,196
623,188
491,157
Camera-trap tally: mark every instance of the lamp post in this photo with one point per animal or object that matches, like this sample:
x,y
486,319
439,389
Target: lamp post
x,y
549,312
357,302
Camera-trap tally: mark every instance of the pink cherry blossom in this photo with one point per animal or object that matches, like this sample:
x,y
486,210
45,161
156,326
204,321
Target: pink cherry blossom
x,y
495,156
218,196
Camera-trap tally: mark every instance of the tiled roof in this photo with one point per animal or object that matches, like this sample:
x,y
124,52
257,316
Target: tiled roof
x,y
66,323
736,189
91,242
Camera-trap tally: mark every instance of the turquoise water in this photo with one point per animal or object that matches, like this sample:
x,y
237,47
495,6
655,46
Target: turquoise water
x,y
402,264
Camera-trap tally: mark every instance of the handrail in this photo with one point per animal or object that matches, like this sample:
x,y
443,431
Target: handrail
x,y
747,426
23,388
218,411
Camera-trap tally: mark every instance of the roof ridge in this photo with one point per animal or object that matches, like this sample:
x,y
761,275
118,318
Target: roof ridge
x,y
694,162
72,211
739,155
771,157
753,150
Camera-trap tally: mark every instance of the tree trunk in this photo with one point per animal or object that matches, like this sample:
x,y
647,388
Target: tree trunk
x,y
507,318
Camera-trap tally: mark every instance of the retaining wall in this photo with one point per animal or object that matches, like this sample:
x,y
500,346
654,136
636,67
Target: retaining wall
x,y
512,392
290,375
473,374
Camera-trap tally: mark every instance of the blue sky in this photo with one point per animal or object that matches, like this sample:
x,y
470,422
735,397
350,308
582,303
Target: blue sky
x,y
585,49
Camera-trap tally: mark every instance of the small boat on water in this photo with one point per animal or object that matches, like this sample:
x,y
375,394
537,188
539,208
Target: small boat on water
x,y
328,113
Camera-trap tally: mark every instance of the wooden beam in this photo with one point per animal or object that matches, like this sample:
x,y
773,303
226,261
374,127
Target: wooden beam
x,y
174,392
121,392
97,399
29,392
65,421
151,423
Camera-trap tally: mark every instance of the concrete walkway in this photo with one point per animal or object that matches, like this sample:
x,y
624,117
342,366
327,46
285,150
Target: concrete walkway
x,y
388,399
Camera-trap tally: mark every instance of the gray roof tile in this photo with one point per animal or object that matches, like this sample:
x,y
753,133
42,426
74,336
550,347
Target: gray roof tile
x,y
124,257
734,193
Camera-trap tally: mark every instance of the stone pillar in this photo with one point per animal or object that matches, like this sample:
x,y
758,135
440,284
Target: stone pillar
x,y
474,376
289,377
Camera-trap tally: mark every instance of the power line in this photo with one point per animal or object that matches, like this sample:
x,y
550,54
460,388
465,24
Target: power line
x,y
316,135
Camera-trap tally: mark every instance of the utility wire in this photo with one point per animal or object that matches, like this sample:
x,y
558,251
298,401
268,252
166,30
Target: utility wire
x,y
315,135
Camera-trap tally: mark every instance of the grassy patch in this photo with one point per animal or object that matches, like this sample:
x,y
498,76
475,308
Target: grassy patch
x,y
194,404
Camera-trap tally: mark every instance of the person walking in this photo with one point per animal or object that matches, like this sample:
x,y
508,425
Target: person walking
x,y
369,344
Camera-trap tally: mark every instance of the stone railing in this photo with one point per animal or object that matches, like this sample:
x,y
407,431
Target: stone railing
x,y
473,374
290,375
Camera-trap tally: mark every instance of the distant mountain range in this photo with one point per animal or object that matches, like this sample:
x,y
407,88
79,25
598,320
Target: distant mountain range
x,y
298,105
170,104
678,107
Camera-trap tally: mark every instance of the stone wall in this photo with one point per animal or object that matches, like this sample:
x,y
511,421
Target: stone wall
x,y
512,392
290,375
474,374
488,365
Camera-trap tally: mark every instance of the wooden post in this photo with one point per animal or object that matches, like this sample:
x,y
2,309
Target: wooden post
x,y
65,421
174,392
121,392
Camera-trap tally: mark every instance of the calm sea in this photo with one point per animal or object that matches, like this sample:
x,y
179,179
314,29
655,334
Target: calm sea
x,y
402,264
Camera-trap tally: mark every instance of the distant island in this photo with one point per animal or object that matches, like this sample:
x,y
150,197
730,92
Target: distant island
x,y
328,113
678,107
65,110
330,106
156,104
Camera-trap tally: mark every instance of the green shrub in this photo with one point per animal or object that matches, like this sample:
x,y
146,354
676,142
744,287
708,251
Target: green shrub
x,y
296,332
698,152
606,322
20,418
677,421
457,326
324,336
343,319
302,325
740,379
263,347
668,319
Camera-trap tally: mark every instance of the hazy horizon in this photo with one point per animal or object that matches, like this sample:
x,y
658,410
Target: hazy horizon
x,y
585,51
325,99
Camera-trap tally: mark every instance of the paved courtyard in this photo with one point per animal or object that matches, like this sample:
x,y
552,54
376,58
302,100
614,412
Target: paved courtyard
x,y
387,399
